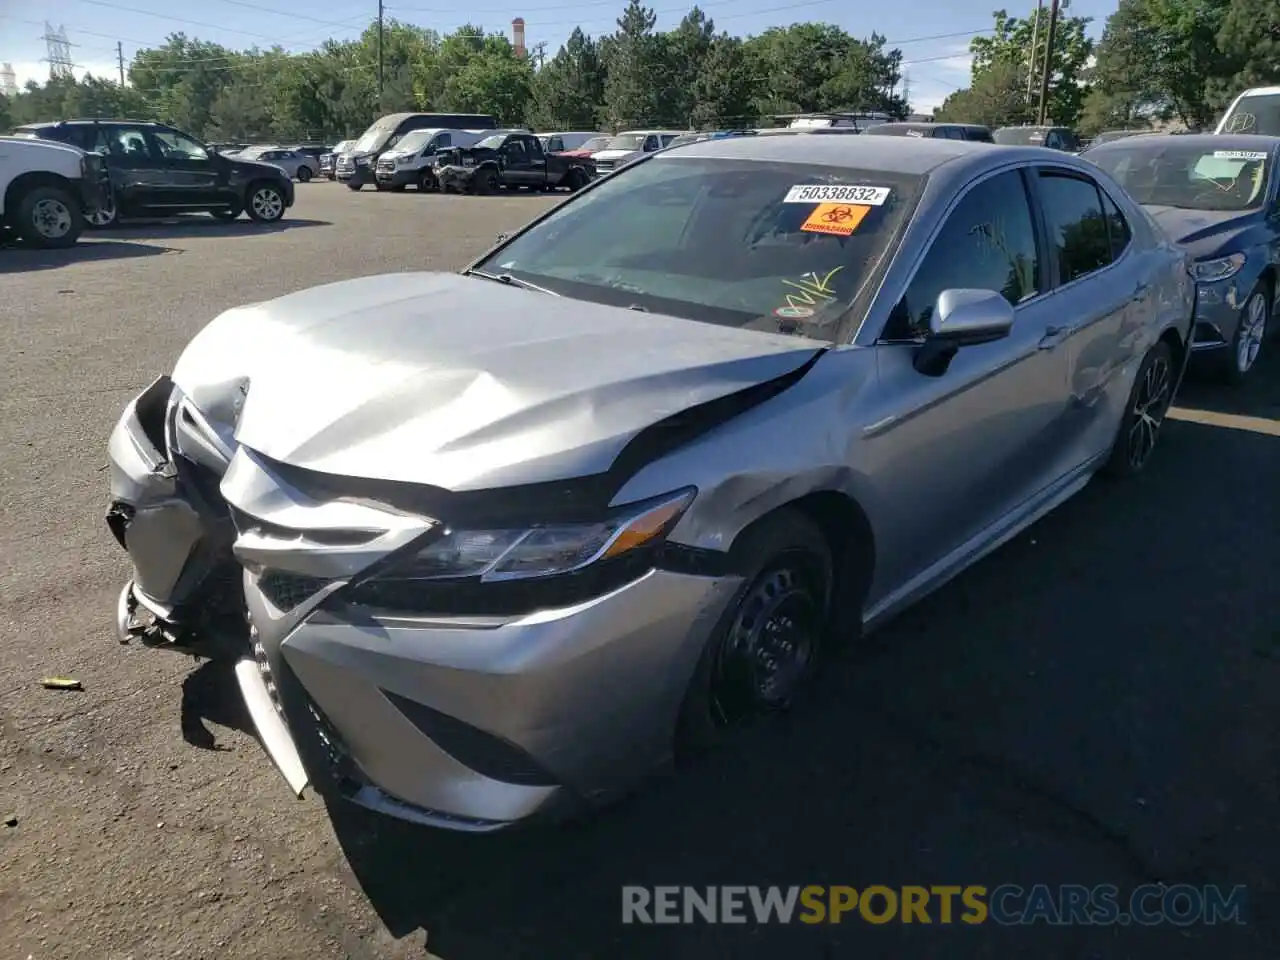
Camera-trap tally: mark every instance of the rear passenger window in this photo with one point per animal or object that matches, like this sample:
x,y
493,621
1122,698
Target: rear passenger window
x,y
1117,226
988,243
1077,226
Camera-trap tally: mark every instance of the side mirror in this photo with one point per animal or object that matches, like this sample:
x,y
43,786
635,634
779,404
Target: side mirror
x,y
962,318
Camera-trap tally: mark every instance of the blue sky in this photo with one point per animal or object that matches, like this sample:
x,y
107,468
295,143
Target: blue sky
x,y
933,34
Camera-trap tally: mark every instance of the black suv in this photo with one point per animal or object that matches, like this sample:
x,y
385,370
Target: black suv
x,y
156,170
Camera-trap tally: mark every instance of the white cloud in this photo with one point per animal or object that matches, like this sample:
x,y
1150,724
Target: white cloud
x,y
35,70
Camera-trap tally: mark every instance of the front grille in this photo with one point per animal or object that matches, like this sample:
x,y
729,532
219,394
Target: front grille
x,y
605,164
386,167
286,590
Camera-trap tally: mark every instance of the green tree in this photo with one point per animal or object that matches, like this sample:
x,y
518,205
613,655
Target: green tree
x,y
1010,46
724,90
1160,59
1249,40
568,90
634,64
684,51
997,97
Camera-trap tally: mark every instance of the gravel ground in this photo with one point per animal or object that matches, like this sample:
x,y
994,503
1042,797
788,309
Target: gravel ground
x,y
1096,703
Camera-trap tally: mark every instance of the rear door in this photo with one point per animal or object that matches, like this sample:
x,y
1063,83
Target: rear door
x,y
190,176
1103,297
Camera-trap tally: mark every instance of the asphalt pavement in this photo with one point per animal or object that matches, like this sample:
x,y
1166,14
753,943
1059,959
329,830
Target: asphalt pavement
x,y
1095,703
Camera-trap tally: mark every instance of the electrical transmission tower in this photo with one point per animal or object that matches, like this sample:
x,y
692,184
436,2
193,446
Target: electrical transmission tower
x,y
61,66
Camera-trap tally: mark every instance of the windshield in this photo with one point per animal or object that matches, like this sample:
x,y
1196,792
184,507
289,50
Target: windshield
x,y
766,246
374,138
1257,114
251,153
1192,177
493,142
344,145
688,138
626,141
1019,136
595,143
414,140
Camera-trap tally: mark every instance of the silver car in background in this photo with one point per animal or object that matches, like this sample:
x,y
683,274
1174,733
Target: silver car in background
x,y
296,164
479,573
1218,197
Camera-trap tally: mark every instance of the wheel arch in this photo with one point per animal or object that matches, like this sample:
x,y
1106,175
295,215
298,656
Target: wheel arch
x,y
845,526
32,179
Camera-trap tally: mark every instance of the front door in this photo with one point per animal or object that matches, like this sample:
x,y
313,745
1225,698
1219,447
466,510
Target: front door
x,y
953,454
136,169
518,166
191,176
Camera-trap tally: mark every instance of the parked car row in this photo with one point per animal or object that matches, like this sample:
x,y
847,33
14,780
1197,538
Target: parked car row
x,y
660,470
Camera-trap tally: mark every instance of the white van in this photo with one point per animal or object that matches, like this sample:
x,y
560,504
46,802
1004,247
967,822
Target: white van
x,y
412,159
1254,111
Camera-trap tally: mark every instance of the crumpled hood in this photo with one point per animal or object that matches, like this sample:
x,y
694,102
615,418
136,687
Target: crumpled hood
x,y
1203,232
465,383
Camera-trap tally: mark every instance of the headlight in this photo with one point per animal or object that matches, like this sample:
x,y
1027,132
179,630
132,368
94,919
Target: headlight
x,y
544,551
403,161
1220,268
362,161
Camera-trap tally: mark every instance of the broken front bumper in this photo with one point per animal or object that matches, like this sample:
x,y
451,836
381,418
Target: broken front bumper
x,y
464,722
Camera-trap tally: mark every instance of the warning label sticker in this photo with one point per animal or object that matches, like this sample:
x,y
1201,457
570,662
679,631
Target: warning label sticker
x,y
838,218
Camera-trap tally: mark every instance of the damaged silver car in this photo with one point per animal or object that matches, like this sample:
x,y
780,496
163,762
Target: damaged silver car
x,y
492,546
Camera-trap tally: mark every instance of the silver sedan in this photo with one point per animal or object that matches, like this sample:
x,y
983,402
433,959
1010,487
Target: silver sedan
x,y
479,573
298,165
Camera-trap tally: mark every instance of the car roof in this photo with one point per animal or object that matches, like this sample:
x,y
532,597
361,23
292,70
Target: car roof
x,y
649,130
922,125
1217,141
915,156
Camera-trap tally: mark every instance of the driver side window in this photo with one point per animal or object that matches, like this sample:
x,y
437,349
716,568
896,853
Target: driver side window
x,y
987,243
176,146
650,143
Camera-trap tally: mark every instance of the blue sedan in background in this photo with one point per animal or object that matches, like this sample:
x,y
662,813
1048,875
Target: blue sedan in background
x,y
1216,195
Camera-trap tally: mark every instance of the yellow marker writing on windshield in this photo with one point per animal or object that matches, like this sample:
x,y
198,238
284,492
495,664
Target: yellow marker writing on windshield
x,y
813,289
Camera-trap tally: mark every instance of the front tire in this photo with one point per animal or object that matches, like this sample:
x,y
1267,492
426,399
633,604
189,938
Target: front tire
x,y
766,645
1238,360
49,218
1144,413
354,186
266,203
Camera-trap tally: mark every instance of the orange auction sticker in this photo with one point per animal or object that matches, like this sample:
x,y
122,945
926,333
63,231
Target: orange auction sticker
x,y
838,218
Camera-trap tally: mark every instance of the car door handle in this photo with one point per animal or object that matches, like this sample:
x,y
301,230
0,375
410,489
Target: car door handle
x,y
1053,335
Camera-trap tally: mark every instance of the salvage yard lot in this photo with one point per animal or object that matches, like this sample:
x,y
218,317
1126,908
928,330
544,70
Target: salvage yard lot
x,y
1096,703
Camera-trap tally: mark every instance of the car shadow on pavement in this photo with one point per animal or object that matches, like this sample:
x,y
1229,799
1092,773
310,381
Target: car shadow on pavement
x,y
1258,396
20,259
1097,702
200,226
210,694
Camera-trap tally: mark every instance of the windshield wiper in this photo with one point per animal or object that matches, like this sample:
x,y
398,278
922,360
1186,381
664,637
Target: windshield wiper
x,y
509,280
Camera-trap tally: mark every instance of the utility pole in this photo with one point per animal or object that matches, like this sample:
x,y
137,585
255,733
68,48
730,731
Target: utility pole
x,y
380,34
1048,63
1031,62
120,60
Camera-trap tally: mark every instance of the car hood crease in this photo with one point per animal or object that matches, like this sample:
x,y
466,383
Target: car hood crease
x,y
464,383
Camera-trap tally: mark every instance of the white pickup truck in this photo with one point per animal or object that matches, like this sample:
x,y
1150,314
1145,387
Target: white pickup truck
x,y
46,188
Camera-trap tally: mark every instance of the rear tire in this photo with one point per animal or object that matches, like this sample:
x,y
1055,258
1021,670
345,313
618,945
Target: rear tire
x,y
304,174
49,218
763,650
1144,413
354,186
